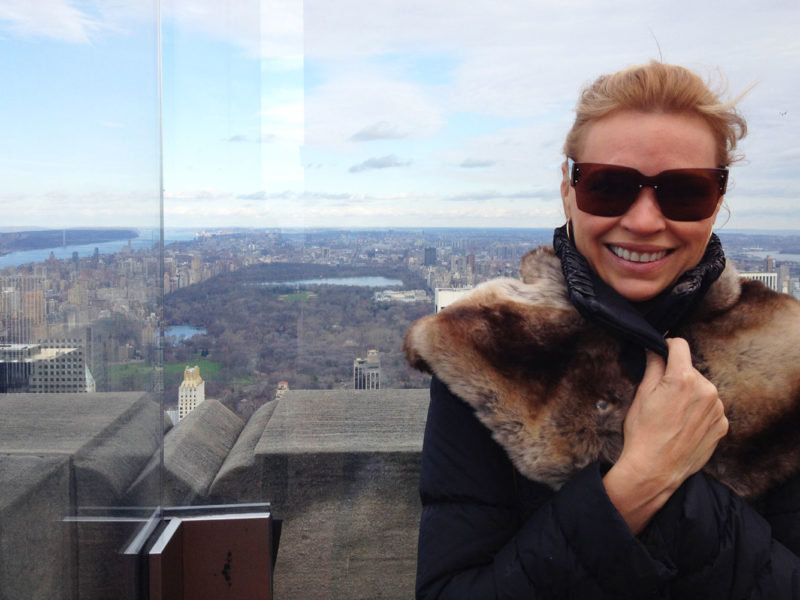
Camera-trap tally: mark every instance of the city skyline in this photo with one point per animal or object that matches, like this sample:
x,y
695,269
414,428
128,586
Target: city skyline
x,y
396,114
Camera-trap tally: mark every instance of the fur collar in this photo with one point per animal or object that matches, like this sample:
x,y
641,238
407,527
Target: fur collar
x,y
550,387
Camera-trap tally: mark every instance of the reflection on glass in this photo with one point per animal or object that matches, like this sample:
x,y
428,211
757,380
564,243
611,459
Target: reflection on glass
x,y
332,171
80,295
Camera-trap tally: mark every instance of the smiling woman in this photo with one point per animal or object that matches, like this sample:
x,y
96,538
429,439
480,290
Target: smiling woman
x,y
581,417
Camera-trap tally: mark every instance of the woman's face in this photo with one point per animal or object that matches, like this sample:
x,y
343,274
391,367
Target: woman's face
x,y
641,253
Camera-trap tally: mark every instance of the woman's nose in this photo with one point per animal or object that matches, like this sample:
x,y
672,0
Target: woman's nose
x,y
644,216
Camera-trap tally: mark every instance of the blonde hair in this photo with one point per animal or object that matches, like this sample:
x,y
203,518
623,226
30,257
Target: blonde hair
x,y
658,87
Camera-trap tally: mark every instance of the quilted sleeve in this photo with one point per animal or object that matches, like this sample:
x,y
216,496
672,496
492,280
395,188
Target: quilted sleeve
x,y
480,539
725,548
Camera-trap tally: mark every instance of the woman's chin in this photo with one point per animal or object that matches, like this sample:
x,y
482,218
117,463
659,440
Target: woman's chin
x,y
637,290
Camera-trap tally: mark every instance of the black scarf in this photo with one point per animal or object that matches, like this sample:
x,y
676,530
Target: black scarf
x,y
599,303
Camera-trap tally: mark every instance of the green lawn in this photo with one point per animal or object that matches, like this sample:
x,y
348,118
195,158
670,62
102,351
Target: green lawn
x,y
209,370
297,297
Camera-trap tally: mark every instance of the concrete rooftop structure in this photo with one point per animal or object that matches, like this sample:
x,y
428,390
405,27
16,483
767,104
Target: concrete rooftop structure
x,y
339,467
60,453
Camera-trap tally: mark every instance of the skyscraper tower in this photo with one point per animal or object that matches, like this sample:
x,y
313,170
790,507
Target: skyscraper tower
x,y
430,257
784,278
191,392
367,372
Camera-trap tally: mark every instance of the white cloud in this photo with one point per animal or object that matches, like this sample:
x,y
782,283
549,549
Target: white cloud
x,y
383,162
74,21
378,131
475,163
270,29
465,97
57,19
284,119
361,97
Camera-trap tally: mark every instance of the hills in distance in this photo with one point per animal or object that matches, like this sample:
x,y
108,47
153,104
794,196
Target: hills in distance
x,y
13,241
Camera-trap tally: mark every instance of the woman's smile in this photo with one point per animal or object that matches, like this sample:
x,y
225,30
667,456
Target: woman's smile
x,y
642,256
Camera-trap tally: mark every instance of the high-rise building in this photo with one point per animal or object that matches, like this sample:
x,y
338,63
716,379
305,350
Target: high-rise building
x,y
22,309
470,263
784,279
768,279
191,392
430,257
47,367
15,367
280,391
443,297
367,372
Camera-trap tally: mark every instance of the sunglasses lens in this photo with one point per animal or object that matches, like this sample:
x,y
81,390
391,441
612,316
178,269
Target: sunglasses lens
x,y
687,196
682,194
607,191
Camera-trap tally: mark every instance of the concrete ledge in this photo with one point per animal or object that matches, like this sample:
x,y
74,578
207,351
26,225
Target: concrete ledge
x,y
313,421
110,437
116,457
342,469
194,451
34,499
241,475
350,525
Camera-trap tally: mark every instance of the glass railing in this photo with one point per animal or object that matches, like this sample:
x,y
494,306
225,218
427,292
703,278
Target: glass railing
x,y
219,219
80,296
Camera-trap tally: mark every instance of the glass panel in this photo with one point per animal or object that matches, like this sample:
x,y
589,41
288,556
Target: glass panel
x,y
80,294
412,148
332,171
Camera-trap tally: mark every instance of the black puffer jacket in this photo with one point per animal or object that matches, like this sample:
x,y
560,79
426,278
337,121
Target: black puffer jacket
x,y
526,412
489,533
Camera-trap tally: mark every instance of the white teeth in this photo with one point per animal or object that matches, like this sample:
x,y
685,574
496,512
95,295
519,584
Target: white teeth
x,y
643,257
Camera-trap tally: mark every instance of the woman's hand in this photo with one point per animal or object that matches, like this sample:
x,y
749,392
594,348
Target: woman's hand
x,y
671,430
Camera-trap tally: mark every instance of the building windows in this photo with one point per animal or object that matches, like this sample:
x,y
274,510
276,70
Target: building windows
x,y
367,372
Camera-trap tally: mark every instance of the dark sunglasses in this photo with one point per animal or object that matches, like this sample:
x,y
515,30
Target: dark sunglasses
x,y
682,194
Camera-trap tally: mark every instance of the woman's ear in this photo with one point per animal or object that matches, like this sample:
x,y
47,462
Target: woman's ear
x,y
565,189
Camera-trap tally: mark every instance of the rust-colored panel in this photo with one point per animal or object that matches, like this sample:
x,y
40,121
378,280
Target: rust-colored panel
x,y
213,558
226,558
166,564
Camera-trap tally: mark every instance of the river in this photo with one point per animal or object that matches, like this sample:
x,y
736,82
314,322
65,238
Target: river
x,y
148,238
179,333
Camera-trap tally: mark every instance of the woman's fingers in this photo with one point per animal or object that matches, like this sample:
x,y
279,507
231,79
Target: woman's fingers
x,y
671,430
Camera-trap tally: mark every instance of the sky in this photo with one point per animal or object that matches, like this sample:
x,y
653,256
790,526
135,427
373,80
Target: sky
x,y
358,113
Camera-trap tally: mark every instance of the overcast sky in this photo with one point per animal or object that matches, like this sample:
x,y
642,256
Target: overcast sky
x,y
358,113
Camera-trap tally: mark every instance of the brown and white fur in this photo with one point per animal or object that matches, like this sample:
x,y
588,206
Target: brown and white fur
x,y
549,385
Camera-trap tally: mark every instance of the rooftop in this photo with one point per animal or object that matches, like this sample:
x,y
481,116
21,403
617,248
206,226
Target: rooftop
x,y
339,467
